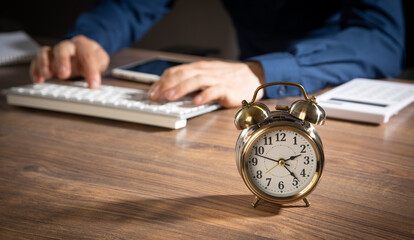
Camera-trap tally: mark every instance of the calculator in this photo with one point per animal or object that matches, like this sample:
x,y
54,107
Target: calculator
x,y
367,100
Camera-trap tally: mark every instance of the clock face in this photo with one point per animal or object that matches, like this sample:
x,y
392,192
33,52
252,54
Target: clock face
x,y
282,162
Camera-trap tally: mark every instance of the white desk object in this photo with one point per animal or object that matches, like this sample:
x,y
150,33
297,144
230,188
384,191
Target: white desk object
x,y
17,47
367,100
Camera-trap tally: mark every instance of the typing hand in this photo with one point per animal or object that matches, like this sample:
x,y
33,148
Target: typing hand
x,y
224,82
79,56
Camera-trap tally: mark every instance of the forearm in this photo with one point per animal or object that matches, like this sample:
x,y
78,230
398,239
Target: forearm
x,y
370,45
118,24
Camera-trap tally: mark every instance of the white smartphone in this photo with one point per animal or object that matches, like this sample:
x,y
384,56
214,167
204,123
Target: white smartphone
x,y
148,70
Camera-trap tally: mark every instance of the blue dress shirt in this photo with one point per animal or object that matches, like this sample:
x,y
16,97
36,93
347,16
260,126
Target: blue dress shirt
x,y
316,43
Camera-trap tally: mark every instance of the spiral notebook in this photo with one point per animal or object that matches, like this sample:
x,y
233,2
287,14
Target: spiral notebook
x,y
16,47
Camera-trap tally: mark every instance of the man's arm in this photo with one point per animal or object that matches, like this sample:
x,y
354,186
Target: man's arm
x,y
370,44
118,24
110,26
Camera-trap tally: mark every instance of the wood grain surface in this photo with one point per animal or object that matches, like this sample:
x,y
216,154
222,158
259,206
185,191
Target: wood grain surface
x,y
65,176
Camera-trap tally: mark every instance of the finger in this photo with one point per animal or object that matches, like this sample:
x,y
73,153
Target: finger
x,y
63,53
175,75
34,73
217,93
153,93
89,62
190,85
43,62
169,79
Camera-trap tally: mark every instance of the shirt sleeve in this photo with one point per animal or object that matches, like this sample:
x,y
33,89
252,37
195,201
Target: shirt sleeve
x,y
369,44
118,24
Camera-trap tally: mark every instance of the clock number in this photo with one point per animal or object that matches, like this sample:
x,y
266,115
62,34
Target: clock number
x,y
295,182
303,173
303,148
280,137
280,185
294,141
268,181
259,150
307,160
259,174
268,140
254,161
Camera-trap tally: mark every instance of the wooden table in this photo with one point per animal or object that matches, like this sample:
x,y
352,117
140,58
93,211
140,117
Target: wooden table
x,y
67,176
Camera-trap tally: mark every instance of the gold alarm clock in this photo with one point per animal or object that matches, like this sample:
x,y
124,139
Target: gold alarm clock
x,y
279,154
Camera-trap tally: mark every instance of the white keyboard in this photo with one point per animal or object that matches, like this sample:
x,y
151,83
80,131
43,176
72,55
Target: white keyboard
x,y
111,102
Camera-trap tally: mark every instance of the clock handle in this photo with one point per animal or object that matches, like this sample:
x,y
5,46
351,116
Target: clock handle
x,y
283,83
254,113
307,110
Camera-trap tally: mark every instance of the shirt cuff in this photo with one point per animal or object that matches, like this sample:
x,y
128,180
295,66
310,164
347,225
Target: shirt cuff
x,y
279,67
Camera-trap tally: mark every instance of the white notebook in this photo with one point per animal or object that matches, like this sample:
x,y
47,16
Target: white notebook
x,y
16,47
367,100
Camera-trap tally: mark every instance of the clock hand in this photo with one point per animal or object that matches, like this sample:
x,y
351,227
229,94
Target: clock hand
x,y
268,158
292,157
291,173
271,160
272,167
276,161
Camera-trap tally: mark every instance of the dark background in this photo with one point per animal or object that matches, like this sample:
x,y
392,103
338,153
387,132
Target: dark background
x,y
210,34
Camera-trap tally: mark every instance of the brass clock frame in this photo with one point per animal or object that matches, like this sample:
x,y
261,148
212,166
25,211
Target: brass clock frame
x,y
255,120
278,121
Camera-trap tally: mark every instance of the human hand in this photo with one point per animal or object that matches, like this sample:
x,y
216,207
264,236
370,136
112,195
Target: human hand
x,y
227,83
79,56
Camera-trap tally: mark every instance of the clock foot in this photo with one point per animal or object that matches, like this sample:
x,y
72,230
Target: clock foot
x,y
307,203
255,201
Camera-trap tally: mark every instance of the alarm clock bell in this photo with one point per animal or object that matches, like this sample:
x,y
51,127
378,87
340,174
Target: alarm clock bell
x,y
254,113
308,111
251,114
